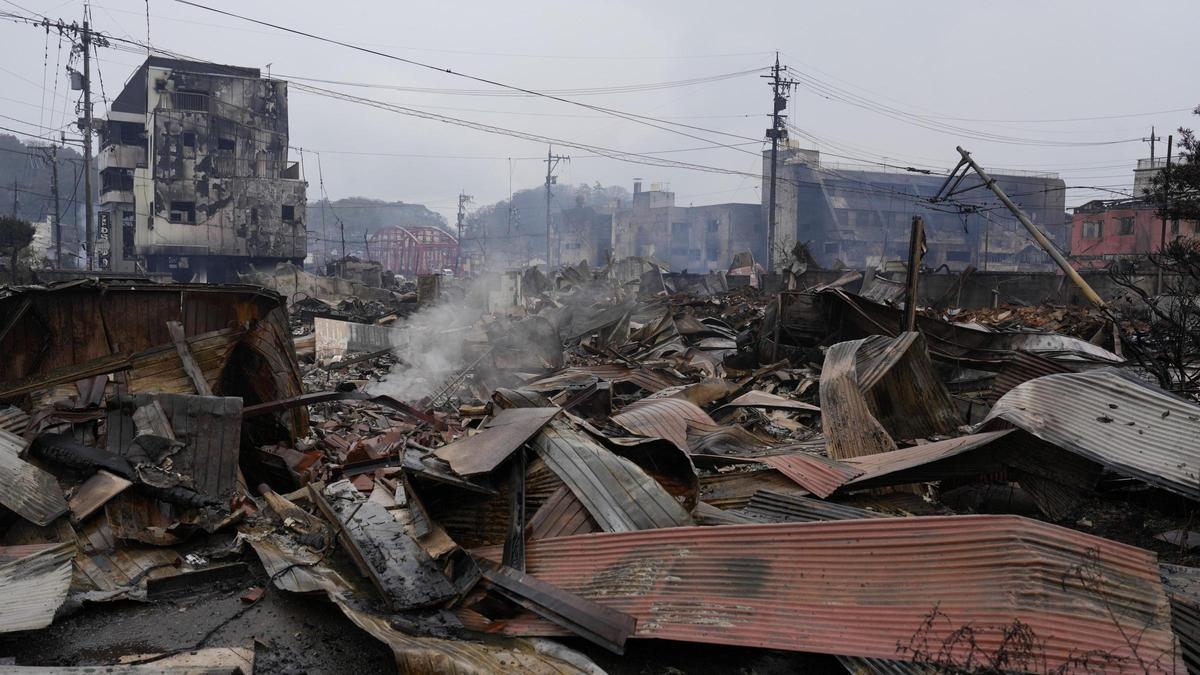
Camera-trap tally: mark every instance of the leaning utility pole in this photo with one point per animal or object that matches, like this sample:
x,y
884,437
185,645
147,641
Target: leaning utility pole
x,y
551,162
778,131
86,128
950,188
463,200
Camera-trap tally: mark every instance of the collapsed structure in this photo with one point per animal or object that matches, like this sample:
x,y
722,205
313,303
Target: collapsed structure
x,y
606,457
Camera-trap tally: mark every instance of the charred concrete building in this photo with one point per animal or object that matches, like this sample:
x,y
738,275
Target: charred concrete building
x,y
856,217
585,234
692,238
195,176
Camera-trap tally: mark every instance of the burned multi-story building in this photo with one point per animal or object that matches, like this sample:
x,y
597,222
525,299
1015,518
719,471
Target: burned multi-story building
x,y
195,176
692,238
857,217
585,234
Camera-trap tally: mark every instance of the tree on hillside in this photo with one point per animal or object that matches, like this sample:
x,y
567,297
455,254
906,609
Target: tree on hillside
x,y
15,236
1177,191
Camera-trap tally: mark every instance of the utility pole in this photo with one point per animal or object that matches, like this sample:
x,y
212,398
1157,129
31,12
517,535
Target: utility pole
x,y
916,251
14,189
56,227
366,246
950,188
778,131
1162,241
342,225
463,200
86,128
552,161
1151,141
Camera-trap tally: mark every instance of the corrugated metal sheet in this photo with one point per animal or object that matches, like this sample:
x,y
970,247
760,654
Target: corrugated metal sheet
x,y
33,587
27,490
1183,590
337,338
866,587
14,419
1110,418
562,515
715,439
667,418
760,399
877,469
581,376
819,475
733,490
1022,367
615,491
779,508
501,436
846,420
897,379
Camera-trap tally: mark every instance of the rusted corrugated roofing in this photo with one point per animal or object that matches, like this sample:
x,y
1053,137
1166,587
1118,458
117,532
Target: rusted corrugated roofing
x,y
1110,418
877,468
562,515
756,398
33,587
869,587
662,418
819,475
26,489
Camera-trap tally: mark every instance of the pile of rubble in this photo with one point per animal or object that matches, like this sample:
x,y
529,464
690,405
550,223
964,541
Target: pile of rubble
x,y
614,458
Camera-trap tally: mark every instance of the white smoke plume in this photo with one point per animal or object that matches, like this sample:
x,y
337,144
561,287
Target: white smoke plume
x,y
435,343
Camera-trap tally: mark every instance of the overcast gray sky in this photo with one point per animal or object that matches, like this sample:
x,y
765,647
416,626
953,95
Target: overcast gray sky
x,y
1003,62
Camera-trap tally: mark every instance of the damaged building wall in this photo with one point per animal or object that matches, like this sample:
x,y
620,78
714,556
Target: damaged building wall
x,y
586,235
206,179
695,238
859,215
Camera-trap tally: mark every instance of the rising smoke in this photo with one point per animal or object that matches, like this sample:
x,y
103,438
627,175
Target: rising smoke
x,y
436,342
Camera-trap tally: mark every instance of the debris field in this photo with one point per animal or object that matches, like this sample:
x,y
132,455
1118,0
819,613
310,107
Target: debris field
x,y
612,463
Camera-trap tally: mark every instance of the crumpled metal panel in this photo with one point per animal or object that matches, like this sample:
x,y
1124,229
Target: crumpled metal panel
x,y
667,418
819,475
34,586
904,462
27,490
1023,367
846,419
868,587
780,508
618,494
1183,590
501,436
1108,417
579,376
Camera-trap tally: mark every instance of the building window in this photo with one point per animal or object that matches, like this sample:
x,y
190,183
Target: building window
x,y
183,212
1175,227
189,139
288,213
958,256
1125,225
1093,229
226,143
254,215
714,225
190,100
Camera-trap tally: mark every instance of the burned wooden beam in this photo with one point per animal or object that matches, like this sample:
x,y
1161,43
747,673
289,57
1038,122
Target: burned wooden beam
x,y
403,574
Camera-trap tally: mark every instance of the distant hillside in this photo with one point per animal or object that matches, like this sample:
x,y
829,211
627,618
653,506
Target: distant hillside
x,y
26,166
365,216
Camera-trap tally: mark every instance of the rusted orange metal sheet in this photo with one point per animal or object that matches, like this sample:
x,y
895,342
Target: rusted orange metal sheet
x,y
818,475
880,588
